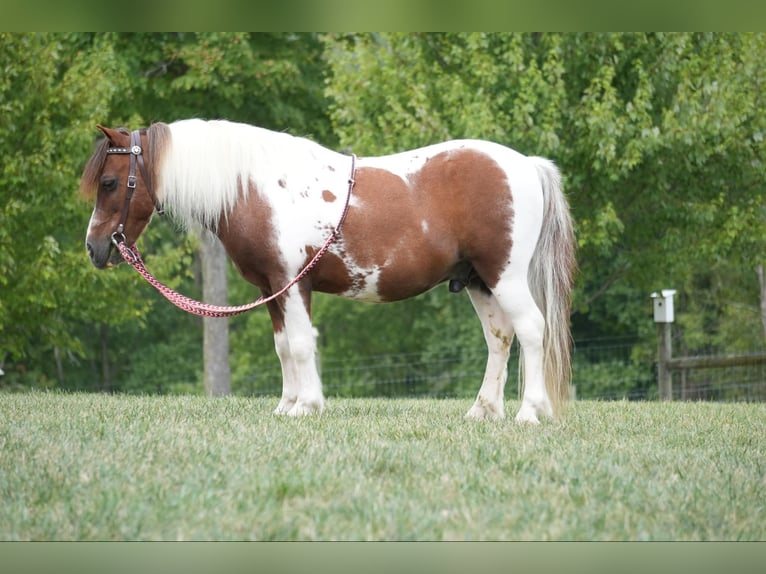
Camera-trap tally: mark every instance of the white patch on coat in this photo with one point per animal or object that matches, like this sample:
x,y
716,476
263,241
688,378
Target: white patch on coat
x,y
208,165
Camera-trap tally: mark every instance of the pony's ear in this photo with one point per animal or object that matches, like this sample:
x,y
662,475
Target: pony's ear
x,y
118,138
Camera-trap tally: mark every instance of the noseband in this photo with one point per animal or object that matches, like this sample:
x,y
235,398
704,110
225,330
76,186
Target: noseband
x,y
136,157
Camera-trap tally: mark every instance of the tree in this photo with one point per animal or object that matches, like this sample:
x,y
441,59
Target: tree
x,y
216,330
49,105
55,310
659,137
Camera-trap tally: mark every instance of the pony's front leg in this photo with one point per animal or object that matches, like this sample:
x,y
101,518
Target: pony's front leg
x,y
289,379
295,342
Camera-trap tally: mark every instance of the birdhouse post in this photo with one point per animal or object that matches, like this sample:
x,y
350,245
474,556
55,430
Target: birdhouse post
x,y
664,316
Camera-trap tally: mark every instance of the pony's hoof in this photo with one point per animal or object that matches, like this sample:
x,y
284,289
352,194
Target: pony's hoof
x,y
301,409
527,418
528,413
485,411
284,406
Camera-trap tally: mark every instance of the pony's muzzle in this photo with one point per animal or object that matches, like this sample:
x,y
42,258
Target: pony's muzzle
x,y
102,254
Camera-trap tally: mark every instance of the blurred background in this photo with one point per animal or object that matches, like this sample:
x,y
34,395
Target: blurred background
x,y
659,137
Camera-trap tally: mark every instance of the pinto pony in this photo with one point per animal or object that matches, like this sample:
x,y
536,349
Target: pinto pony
x,y
472,213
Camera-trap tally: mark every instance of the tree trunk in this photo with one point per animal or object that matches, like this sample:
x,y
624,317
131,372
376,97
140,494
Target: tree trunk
x,y
762,282
216,330
106,374
59,364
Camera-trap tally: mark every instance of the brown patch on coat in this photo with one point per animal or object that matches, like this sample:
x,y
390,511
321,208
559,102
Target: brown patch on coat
x,y
464,199
251,242
330,275
328,196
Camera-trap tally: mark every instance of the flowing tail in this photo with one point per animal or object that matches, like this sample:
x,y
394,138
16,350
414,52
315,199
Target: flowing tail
x,y
551,276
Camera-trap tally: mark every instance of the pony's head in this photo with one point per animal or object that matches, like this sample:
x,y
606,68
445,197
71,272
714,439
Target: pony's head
x,y
120,174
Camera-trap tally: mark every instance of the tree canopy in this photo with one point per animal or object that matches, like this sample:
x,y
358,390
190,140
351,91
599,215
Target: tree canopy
x,y
659,138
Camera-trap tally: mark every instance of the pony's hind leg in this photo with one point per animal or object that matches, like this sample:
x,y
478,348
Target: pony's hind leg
x,y
528,321
295,342
498,333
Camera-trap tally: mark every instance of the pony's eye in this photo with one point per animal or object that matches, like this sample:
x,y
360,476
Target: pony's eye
x,y
109,183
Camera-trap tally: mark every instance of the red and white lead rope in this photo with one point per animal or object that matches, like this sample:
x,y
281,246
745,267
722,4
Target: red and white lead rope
x,y
132,256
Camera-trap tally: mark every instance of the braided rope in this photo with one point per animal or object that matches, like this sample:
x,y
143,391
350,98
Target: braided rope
x,y
132,256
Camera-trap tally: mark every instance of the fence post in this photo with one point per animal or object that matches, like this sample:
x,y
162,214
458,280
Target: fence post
x,y
665,351
664,317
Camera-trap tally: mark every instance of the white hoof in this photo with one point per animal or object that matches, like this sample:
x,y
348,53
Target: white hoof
x,y
303,408
529,417
528,413
284,406
483,410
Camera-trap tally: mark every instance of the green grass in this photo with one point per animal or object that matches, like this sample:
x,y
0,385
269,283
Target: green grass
x,y
97,467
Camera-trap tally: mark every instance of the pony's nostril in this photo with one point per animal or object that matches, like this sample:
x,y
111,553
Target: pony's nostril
x,y
89,247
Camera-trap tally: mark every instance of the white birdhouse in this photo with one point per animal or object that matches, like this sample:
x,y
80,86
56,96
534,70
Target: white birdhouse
x,y
663,306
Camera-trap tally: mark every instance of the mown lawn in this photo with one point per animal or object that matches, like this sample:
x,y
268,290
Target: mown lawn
x,y
98,467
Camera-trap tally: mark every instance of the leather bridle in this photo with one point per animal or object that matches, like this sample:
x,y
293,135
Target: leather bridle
x,y
136,158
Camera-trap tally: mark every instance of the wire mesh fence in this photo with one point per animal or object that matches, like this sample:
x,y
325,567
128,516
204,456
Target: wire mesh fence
x,y
602,369
402,374
730,383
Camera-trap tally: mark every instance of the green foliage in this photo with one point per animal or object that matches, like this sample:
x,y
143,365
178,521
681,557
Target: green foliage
x,y
613,379
49,106
54,90
273,80
658,136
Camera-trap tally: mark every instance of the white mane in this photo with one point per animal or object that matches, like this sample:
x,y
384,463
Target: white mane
x,y
208,165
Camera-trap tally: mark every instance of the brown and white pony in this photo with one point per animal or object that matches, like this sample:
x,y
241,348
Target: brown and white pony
x,y
474,213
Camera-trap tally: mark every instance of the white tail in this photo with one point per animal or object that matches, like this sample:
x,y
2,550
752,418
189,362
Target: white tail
x,y
551,274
